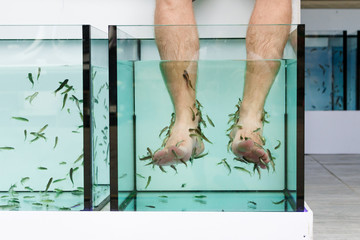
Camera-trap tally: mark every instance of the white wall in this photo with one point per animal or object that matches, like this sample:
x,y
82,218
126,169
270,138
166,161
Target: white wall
x,y
331,19
101,13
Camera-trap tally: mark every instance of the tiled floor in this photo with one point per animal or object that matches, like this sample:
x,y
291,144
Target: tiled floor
x,y
332,190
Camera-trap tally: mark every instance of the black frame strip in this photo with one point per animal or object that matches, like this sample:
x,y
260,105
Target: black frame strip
x,y
86,45
300,171
113,118
345,49
357,85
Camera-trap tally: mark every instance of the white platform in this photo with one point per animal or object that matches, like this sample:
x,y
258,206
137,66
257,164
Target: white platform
x,y
157,225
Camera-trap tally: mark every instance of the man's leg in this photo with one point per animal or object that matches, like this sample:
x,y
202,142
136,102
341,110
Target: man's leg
x,y
179,47
262,42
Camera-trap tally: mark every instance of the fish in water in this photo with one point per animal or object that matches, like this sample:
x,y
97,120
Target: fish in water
x,y
148,182
42,168
59,180
150,206
122,176
6,148
64,101
23,180
21,119
242,169
25,134
32,97
56,141
71,175
62,85
183,185
210,121
200,196
38,75
140,176
30,77
277,146
48,184
279,202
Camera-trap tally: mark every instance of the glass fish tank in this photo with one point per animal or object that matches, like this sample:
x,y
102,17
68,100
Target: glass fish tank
x,y
52,155
330,71
153,166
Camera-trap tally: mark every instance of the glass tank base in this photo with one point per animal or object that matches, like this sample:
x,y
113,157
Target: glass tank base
x,y
206,201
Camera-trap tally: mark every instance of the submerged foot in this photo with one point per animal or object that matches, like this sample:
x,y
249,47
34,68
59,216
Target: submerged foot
x,y
247,140
180,146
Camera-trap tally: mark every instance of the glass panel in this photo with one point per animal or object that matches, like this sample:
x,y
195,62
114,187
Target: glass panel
x,y
216,181
100,117
324,55
41,143
351,72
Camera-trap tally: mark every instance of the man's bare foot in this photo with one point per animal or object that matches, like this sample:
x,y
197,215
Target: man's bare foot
x,y
180,146
247,140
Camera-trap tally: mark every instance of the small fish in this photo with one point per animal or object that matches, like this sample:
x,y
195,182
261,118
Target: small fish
x,y
313,50
178,143
7,148
163,130
140,176
38,75
23,180
201,155
25,134
277,146
37,204
200,196
64,209
279,202
145,158
81,116
256,167
173,167
193,113
21,119
163,196
210,121
122,176
71,175
42,168
32,97
68,90
62,85
56,141
150,206
242,169
162,169
48,184
30,77
256,130
42,129
148,182
29,188
79,158
76,205
64,101
62,163
59,180
322,68
47,201
28,197
183,185
323,90
224,162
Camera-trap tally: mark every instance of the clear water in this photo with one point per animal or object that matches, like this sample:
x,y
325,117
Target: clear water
x,y
20,166
204,185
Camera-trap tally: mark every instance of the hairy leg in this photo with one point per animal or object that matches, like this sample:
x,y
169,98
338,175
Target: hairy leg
x,y
262,42
179,49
